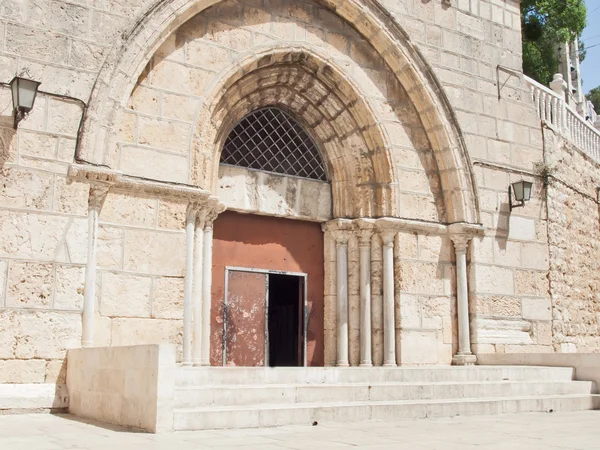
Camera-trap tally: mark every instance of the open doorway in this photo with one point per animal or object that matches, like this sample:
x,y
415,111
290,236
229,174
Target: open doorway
x,y
264,318
285,321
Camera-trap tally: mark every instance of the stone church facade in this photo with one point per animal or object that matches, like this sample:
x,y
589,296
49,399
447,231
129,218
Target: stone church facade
x,y
124,222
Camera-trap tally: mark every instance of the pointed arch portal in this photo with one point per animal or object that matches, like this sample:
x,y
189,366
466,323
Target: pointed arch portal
x,y
129,56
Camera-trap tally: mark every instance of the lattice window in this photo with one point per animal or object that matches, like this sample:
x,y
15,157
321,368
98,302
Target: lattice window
x,y
269,139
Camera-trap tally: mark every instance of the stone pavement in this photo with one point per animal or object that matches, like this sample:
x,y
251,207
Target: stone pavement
x,y
531,431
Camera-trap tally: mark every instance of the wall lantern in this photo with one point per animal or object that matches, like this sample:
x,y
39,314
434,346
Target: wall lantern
x,y
24,92
522,193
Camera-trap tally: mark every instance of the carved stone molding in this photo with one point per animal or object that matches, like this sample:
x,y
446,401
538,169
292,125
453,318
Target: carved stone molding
x,y
98,193
135,185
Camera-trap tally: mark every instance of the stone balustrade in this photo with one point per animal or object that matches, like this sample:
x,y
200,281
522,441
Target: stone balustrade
x,y
551,107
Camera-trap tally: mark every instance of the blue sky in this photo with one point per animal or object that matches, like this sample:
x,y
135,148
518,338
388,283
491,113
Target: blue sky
x,y
590,68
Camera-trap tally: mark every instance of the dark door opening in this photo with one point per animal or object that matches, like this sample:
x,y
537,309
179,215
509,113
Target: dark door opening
x,y
286,320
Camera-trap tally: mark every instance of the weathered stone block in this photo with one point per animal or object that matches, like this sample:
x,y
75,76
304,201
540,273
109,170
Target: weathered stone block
x,y
492,280
37,144
155,252
64,117
30,285
22,371
145,100
157,165
125,209
168,298
521,228
171,214
534,256
47,46
70,197
38,334
410,311
22,188
501,331
505,306
419,347
125,295
164,134
69,287
421,278
146,331
537,309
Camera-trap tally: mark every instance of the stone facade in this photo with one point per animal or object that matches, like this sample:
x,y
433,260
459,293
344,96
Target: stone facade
x,y
419,117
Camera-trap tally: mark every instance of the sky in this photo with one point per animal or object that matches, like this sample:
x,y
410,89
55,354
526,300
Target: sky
x,y
590,68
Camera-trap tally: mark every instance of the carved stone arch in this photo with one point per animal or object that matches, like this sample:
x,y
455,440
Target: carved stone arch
x,y
318,96
131,53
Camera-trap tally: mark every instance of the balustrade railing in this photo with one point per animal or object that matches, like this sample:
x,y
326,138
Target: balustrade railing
x,y
551,107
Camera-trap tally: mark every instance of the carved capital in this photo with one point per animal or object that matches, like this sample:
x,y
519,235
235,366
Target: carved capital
x,y
98,193
211,211
365,228
192,211
388,229
461,241
341,236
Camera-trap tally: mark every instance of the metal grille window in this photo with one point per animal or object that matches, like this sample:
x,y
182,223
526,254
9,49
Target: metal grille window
x,y
270,139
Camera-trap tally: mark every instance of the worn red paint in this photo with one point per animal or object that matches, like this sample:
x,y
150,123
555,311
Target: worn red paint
x,y
269,243
246,304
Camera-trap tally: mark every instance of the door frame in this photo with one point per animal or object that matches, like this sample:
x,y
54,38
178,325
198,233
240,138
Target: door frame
x,y
304,311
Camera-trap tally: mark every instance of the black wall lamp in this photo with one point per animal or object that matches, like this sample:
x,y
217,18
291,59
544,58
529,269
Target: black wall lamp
x,y
522,193
24,92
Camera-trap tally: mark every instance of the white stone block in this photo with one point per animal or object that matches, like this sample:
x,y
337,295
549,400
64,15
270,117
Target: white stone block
x,y
536,308
501,331
493,280
521,228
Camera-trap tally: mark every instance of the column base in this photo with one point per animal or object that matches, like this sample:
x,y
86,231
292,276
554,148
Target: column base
x,y
186,364
365,365
390,365
343,364
464,360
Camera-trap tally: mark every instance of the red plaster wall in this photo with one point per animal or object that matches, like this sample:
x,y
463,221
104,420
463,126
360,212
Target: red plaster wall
x,y
251,241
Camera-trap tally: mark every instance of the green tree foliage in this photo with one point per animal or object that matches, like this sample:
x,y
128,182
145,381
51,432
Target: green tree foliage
x,y
546,24
594,97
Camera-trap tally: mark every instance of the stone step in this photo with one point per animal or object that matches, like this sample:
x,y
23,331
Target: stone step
x,y
28,398
243,395
309,413
201,376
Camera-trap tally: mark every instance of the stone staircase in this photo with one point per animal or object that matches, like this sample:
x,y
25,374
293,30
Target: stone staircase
x,y
216,398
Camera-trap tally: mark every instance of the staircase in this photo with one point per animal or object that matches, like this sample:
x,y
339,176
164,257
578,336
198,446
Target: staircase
x,y
216,398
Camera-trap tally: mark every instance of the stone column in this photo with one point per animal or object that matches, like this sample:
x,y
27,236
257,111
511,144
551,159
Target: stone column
x,y
212,212
198,288
389,323
96,199
464,355
365,233
188,282
341,239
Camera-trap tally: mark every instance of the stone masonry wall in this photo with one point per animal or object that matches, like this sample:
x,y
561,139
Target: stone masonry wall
x,y
574,239
43,224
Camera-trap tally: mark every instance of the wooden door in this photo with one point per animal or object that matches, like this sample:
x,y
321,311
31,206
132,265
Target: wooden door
x,y
245,318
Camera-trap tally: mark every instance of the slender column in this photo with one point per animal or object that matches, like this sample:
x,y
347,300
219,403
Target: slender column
x,y
96,199
211,214
206,292
188,283
464,355
341,238
364,242
198,289
389,325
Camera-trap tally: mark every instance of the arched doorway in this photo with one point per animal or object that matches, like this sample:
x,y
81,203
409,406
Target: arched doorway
x,y
268,272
